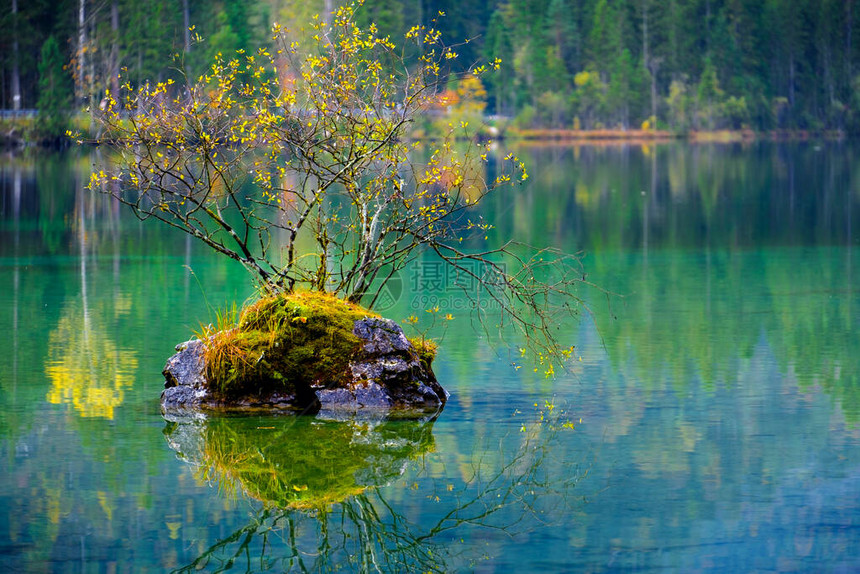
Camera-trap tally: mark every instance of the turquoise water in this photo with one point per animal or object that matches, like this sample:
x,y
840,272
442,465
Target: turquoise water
x,y
714,395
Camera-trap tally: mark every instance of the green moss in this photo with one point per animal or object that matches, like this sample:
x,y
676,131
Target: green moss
x,y
283,344
426,349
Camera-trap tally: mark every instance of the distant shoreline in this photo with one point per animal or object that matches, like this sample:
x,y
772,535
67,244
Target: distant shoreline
x,y
607,137
18,133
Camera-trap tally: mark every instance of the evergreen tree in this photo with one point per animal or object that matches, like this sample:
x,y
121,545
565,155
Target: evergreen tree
x,y
225,40
500,84
55,91
709,96
604,41
386,14
152,33
563,31
462,22
238,20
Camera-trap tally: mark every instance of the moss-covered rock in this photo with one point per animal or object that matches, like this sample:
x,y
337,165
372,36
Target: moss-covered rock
x,y
305,350
283,344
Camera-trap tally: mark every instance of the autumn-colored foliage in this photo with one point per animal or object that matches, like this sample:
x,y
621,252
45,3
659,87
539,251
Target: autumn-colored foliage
x,y
298,167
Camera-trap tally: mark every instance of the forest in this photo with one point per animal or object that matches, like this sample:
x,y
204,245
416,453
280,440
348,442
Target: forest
x,y
678,65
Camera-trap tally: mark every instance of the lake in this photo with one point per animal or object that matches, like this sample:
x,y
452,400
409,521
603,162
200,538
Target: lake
x,y
709,419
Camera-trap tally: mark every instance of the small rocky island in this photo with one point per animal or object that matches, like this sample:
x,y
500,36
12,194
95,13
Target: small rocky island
x,y
309,352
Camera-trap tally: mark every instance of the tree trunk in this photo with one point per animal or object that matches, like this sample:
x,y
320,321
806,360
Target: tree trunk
x,y
652,69
82,51
645,33
16,72
791,81
91,62
649,62
186,19
708,26
114,49
846,52
329,8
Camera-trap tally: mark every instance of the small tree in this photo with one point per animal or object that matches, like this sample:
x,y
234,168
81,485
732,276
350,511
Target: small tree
x,y
301,170
589,97
678,102
709,97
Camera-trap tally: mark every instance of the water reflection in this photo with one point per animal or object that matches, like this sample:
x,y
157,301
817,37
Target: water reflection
x,y
724,397
691,317
85,365
297,462
44,199
323,502
676,195
713,247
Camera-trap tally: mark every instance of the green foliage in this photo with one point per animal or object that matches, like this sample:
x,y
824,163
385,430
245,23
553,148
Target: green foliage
x,y
466,108
526,118
678,102
623,85
804,52
589,98
554,108
55,92
225,40
709,97
150,36
735,112
604,40
387,15
499,44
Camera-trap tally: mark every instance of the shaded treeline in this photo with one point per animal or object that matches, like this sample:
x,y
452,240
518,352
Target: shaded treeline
x,y
679,64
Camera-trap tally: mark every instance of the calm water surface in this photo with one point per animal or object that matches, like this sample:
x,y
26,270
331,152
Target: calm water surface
x,y
715,394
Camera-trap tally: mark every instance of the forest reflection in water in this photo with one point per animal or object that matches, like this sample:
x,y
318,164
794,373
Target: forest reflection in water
x,y
719,386
318,491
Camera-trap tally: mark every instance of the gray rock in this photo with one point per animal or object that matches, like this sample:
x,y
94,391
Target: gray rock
x,y
186,366
184,381
382,336
386,375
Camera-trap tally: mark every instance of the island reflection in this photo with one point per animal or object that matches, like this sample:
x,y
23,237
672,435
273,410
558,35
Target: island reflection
x,y
316,491
297,462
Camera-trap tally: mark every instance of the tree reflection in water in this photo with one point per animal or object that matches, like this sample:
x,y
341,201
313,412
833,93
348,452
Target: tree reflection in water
x,y
317,502
86,366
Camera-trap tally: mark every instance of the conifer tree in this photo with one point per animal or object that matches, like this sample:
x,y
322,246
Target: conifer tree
x,y
55,91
